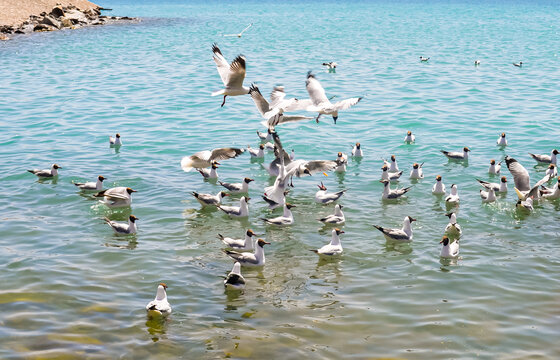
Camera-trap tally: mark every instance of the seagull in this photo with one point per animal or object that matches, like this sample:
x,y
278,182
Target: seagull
x,y
267,136
239,244
501,187
393,164
488,196
259,154
522,180
232,75
116,197
238,188
453,197
209,199
241,33
211,173
273,115
334,247
337,218
237,211
322,197
250,259
494,168
122,228
525,204
424,59
450,249
204,159
341,160
546,159
409,138
519,64
551,193
273,204
404,234
287,217
301,167
234,280
393,194
115,141
357,150
52,172
417,172
452,228
159,306
439,187
452,155
330,65
320,102
502,141
390,176
268,146
552,171
90,185
476,62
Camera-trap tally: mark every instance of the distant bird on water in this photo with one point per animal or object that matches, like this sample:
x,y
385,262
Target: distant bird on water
x,y
50,173
123,228
115,141
424,59
519,64
159,306
234,280
90,185
476,62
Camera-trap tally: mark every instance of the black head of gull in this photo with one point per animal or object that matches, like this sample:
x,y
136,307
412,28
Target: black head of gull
x,y
248,180
384,167
411,219
409,133
306,171
466,149
101,178
358,145
503,135
555,152
385,182
449,215
118,135
503,179
338,231
250,233
130,191
289,206
224,194
392,157
262,243
322,187
415,166
492,162
55,166
339,154
133,218
215,164
444,240
261,146
438,178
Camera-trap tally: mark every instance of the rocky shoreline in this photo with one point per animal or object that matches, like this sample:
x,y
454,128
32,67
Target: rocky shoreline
x,y
60,18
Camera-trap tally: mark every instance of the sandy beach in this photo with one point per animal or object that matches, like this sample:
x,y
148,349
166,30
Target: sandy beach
x,y
13,12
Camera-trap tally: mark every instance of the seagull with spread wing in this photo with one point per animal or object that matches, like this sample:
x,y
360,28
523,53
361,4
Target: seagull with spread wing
x,y
273,112
206,158
232,74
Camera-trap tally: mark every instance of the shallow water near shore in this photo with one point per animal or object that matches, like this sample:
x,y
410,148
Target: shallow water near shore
x,y
71,289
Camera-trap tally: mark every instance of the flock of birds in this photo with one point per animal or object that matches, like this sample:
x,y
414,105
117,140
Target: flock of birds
x,y
249,250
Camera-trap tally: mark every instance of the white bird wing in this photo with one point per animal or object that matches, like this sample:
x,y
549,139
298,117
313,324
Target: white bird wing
x,y
236,72
119,193
225,153
315,90
221,64
277,95
202,155
330,250
247,28
345,104
259,100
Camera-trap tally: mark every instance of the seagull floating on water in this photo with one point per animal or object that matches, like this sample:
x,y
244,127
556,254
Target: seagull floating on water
x,y
450,248
389,194
409,138
256,153
330,65
238,188
476,62
334,247
287,217
209,199
206,158
519,64
211,173
453,155
90,185
551,193
417,172
116,197
342,161
115,141
267,136
502,141
522,180
424,59
232,75
241,33
453,197
337,218
439,187
494,168
552,171
250,259
546,159
237,211
404,234
357,150
390,176
488,196
159,306
234,280
323,197
501,187
393,167
453,229
123,228
52,172
239,244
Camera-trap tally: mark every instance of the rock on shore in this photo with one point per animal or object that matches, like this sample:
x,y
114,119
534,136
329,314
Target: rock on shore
x,y
61,17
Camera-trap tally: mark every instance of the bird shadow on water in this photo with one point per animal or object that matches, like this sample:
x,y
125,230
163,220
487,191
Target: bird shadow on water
x,y
400,247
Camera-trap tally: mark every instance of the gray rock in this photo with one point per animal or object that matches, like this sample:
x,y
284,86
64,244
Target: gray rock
x,y
75,15
65,22
49,20
44,27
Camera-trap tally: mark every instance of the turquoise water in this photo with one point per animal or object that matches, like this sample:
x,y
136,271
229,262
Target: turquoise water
x,y
70,288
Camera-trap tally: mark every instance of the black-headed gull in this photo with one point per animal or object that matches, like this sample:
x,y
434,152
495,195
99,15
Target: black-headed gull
x,y
551,193
519,64
90,185
234,280
452,228
454,155
123,228
267,136
250,259
545,159
237,211
404,234
409,138
160,305
115,141
357,150
287,217
393,167
552,171
209,199
494,168
241,33
334,247
525,204
453,197
232,75
522,180
239,244
502,141
450,248
424,59
256,153
488,196
274,115
389,194
50,173
323,197
238,188
439,186
341,160
204,159
417,173
337,218
331,65
390,176
116,197
499,188
476,62
211,173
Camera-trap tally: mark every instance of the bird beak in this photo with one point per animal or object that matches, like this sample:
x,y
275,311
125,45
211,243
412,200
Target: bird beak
x,y
325,174
133,190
